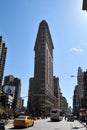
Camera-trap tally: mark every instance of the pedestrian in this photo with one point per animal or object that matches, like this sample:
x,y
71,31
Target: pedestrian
x,y
65,116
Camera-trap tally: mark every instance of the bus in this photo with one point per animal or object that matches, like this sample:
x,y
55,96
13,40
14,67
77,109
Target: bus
x,y
56,114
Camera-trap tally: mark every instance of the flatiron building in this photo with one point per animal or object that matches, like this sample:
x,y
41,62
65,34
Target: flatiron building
x,y
41,90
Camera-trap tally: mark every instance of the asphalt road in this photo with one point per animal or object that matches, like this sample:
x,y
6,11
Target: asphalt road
x,y
46,124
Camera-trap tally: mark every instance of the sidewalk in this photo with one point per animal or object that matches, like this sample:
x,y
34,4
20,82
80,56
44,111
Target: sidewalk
x,y
83,123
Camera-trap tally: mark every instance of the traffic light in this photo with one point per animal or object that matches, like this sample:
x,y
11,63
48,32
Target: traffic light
x,y
84,6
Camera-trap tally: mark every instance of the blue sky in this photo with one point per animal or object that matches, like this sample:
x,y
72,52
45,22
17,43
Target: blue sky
x,y
19,21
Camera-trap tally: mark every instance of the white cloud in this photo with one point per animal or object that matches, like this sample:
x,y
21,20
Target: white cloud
x,y
76,50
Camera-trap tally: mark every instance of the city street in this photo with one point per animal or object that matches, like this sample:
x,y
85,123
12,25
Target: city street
x,y
46,124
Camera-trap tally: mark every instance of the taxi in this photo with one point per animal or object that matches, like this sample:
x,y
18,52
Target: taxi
x,y
23,121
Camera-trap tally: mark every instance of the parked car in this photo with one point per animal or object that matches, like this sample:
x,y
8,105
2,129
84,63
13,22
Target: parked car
x,y
2,125
23,121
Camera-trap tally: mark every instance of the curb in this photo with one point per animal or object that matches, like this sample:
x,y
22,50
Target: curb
x,y
83,123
